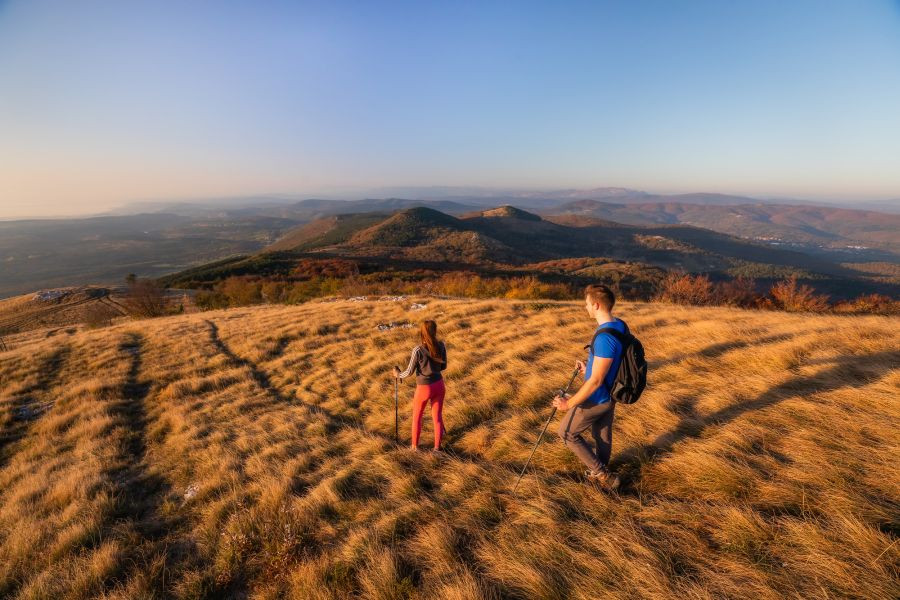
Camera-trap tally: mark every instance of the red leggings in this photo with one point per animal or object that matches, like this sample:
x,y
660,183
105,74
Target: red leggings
x,y
424,393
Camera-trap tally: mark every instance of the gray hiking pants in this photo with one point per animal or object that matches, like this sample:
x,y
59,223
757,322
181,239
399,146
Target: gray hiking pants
x,y
599,419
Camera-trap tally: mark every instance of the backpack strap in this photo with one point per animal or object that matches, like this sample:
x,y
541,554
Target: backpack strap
x,y
621,337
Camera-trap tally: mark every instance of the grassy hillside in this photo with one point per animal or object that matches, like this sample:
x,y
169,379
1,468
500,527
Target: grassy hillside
x,y
326,231
53,310
250,453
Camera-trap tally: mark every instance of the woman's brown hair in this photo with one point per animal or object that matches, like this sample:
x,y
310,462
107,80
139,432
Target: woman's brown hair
x,y
428,331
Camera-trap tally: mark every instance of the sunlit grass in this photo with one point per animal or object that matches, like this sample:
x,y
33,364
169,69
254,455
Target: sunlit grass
x,y
251,452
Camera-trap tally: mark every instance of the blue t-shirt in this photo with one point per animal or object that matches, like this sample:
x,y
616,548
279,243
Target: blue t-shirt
x,y
605,346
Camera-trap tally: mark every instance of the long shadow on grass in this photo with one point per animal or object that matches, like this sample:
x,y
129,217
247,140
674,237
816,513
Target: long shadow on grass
x,y
502,409
141,492
845,372
332,422
717,350
685,407
33,402
280,346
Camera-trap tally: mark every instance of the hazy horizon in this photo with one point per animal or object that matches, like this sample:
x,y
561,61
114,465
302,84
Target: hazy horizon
x,y
11,210
424,193
105,105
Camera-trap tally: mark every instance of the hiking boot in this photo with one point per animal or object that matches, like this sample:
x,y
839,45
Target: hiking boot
x,y
604,479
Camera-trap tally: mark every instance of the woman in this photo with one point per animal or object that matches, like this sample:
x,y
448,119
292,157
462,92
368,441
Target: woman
x,y
427,361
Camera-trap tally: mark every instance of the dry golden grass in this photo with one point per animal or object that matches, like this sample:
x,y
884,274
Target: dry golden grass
x,y
22,315
250,453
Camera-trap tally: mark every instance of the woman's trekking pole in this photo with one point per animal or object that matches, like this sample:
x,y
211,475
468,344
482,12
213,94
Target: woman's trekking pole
x,y
544,430
397,409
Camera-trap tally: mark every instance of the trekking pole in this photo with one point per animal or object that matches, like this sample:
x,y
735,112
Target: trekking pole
x,y
397,409
544,430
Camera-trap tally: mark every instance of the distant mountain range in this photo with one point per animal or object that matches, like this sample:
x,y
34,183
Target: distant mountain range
x,y
838,233
509,239
45,253
480,197
811,228
514,236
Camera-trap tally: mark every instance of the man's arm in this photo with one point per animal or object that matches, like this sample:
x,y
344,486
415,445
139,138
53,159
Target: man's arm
x,y
599,370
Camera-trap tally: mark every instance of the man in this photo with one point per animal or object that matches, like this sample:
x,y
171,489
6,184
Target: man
x,y
591,406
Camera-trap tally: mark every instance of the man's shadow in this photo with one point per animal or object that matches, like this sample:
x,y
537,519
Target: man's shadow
x,y
847,371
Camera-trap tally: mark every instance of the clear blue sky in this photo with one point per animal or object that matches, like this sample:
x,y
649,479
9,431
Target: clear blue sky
x,y
103,102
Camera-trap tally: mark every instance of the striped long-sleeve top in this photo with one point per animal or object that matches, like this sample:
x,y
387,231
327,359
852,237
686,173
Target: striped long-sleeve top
x,y
426,369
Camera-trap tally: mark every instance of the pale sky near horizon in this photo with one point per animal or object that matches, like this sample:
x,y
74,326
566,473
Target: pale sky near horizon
x,y
104,103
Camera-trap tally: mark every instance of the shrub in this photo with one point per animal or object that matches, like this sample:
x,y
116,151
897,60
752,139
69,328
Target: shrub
x,y
530,288
471,285
793,297
353,286
685,289
458,284
274,292
740,292
98,315
303,291
870,304
210,299
309,268
145,298
241,291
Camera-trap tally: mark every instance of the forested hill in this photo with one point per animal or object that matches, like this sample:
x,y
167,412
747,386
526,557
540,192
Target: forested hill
x,y
511,238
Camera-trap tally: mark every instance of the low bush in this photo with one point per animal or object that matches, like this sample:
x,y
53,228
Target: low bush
x,y
685,289
790,296
98,315
869,304
145,298
677,288
739,292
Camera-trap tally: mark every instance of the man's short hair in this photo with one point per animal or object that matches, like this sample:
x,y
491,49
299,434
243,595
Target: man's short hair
x,y
602,295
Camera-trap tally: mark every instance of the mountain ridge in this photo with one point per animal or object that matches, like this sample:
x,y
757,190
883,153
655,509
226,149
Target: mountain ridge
x,y
833,228
534,238
102,250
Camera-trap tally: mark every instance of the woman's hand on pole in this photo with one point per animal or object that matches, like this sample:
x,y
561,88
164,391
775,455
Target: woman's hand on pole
x,y
396,372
